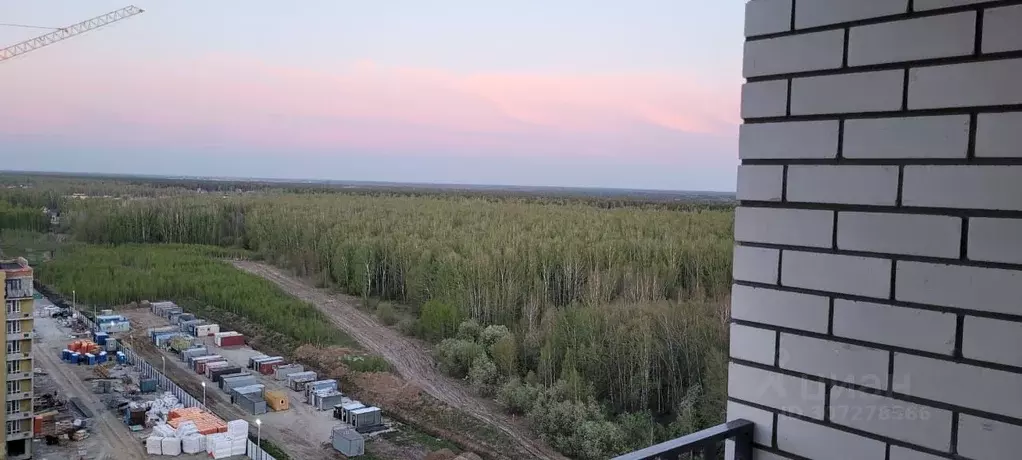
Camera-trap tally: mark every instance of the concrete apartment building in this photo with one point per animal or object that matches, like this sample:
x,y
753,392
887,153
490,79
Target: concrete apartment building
x,y
17,373
877,305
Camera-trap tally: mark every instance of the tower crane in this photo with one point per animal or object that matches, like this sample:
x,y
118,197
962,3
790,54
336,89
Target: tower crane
x,y
64,33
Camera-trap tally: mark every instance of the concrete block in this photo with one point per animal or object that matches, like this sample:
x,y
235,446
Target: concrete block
x,y
848,93
993,340
971,387
794,53
834,360
803,227
969,187
923,330
995,240
971,288
844,184
863,276
961,85
911,137
755,264
928,37
908,234
797,139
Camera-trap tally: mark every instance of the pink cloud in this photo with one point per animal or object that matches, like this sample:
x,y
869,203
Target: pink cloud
x,y
365,106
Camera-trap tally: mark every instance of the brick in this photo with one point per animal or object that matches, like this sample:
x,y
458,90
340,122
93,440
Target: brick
x,y
914,137
824,12
992,340
912,423
908,234
962,85
763,431
914,39
794,53
902,453
767,17
984,439
755,264
801,227
765,99
753,344
810,440
923,330
995,240
957,384
799,139
834,360
926,5
847,93
853,275
779,391
780,308
999,135
1001,31
760,182
967,187
875,185
972,288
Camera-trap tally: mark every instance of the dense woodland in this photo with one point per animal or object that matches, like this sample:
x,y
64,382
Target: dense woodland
x,y
605,324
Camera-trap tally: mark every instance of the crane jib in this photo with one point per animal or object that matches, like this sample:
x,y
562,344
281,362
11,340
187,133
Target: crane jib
x,y
68,32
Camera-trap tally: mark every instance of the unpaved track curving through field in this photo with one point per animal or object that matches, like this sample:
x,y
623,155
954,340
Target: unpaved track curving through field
x,y
411,358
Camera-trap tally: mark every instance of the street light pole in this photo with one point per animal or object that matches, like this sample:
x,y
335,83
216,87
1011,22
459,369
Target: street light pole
x,y
259,437
203,394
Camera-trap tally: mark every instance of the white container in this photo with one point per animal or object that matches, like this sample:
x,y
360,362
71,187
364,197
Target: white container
x,y
192,444
171,446
154,445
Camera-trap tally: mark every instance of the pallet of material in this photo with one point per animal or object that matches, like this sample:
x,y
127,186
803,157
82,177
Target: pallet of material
x,y
205,422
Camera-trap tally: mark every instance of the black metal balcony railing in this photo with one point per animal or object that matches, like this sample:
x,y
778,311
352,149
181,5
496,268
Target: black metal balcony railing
x,y
706,443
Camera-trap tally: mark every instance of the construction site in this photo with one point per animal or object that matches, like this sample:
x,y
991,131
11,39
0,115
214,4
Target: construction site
x,y
93,408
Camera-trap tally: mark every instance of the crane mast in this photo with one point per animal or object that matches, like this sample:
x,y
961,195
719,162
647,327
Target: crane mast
x,y
68,32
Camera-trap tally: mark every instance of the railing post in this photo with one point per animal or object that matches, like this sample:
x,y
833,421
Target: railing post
x,y
743,445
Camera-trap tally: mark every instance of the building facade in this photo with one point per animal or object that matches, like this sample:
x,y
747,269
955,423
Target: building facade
x,y
18,371
877,305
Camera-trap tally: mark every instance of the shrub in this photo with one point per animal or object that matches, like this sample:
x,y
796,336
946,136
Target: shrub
x,y
456,356
386,313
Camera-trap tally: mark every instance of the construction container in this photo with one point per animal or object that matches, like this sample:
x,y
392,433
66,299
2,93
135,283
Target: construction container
x,y
122,358
185,317
111,344
248,389
238,382
192,352
266,367
345,412
102,319
366,417
255,363
220,380
65,355
206,330
252,360
228,339
101,357
100,337
312,387
147,385
116,326
90,359
181,343
347,441
159,307
134,416
193,360
202,362
326,399
186,326
297,381
281,371
106,311
215,374
277,400
210,367
75,358
252,403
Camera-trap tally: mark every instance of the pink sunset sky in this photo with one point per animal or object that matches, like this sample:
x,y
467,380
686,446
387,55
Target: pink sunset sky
x,y
603,93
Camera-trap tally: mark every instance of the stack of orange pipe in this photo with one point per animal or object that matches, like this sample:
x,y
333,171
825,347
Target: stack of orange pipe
x,y
205,422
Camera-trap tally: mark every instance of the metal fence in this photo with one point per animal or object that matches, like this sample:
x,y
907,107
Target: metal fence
x,y
147,371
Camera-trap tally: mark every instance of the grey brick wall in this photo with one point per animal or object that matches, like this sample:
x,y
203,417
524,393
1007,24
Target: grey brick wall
x,y
877,305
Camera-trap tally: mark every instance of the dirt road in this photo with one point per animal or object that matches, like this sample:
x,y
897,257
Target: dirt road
x,y
118,443
411,358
